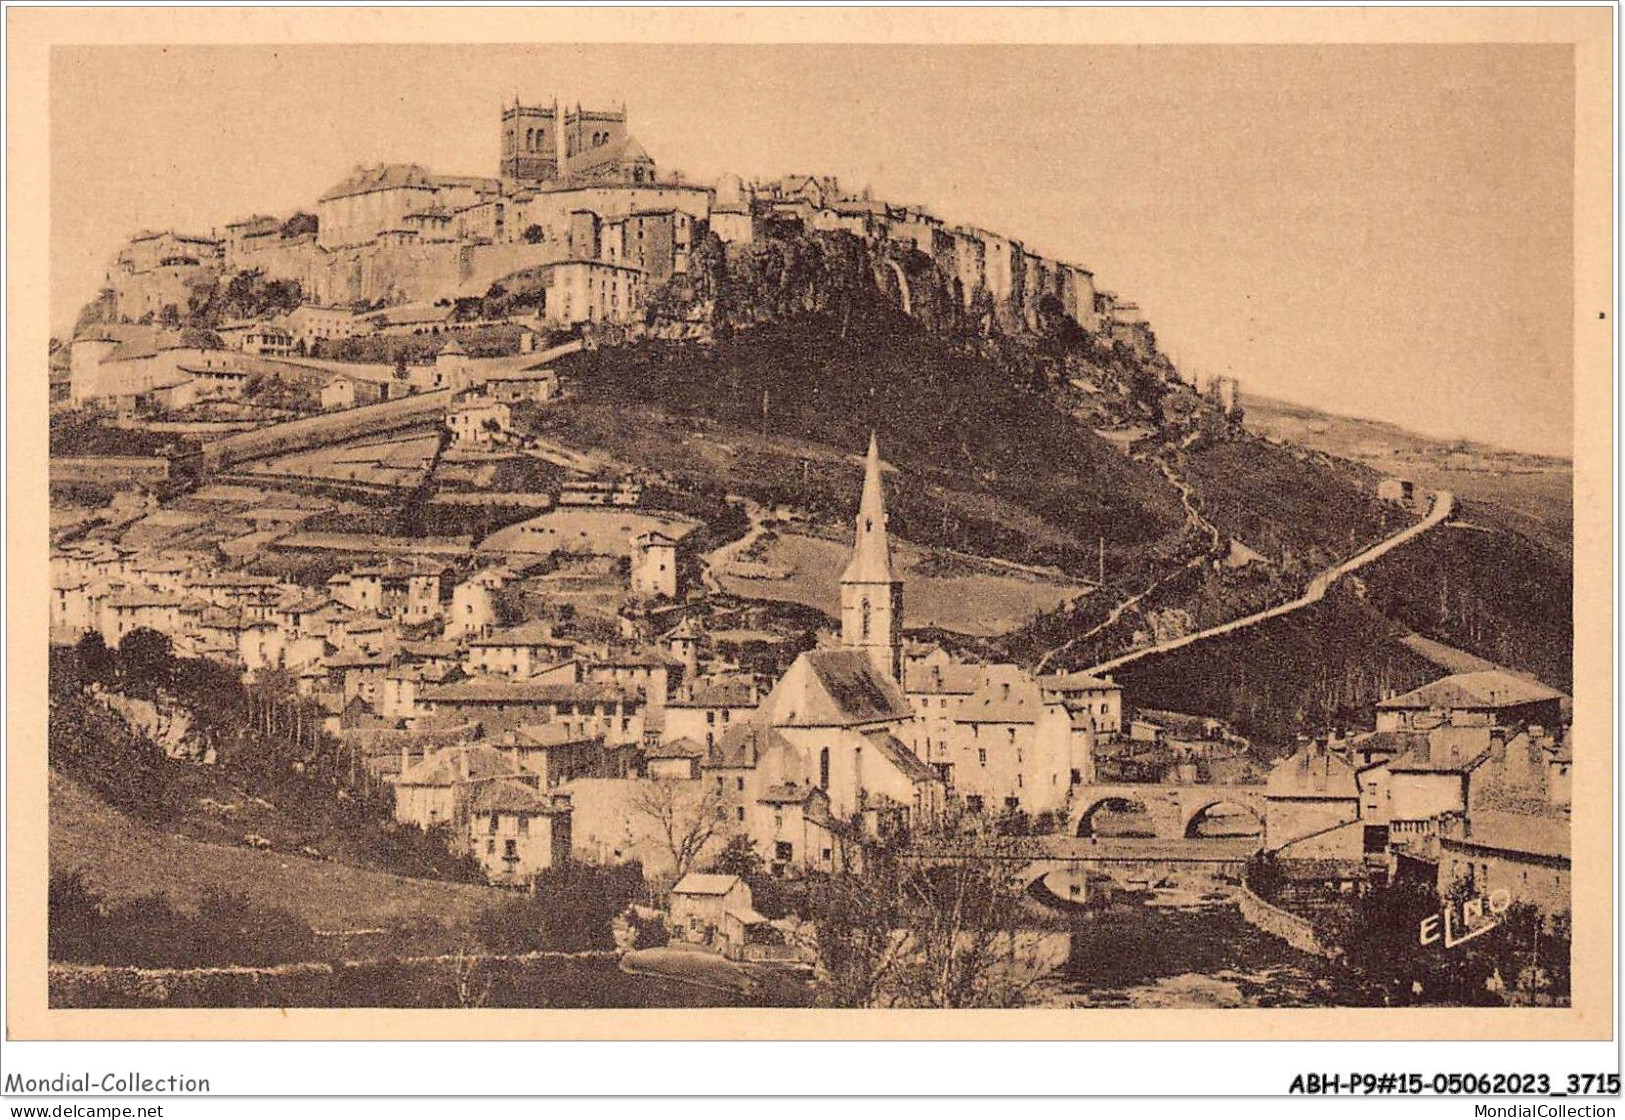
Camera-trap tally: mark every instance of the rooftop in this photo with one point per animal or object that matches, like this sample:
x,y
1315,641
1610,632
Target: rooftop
x,y
509,796
1445,750
696,883
1487,688
834,688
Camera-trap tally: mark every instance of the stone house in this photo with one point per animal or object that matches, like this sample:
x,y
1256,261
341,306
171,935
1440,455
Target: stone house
x,y
1312,791
1477,699
516,831
1010,746
439,788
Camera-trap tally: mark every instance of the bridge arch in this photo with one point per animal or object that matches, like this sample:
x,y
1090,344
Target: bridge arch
x,y
1114,802
1196,812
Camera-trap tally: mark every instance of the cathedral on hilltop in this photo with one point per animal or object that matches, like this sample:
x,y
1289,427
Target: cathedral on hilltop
x,y
580,147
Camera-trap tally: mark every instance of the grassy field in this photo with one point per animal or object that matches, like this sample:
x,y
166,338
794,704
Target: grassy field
x,y
122,858
1299,506
962,597
401,461
603,531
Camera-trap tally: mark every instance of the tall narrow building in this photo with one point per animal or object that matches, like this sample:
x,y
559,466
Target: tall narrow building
x,y
530,142
871,593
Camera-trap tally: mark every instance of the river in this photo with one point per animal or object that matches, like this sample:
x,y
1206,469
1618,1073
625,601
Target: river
x,y
1131,954
1128,954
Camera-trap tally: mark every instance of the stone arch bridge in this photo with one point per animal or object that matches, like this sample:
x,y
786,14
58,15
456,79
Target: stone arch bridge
x,y
1174,810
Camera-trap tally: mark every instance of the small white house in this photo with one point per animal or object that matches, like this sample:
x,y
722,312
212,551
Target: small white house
x,y
654,566
712,910
478,422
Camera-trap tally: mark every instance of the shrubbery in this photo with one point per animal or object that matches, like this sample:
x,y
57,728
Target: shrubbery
x,y
149,932
570,909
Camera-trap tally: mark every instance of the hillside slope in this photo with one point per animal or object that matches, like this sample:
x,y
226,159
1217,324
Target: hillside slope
x,y
987,457
785,409
1532,494
123,858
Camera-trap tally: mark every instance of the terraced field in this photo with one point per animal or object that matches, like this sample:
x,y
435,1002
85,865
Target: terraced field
x,y
943,591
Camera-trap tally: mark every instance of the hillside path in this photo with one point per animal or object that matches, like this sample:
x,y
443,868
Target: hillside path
x,y
715,562
1443,504
1193,516
1193,520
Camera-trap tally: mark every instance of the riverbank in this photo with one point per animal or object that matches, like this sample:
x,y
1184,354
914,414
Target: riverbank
x,y
1133,955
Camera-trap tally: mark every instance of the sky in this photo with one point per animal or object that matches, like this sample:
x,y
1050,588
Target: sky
x,y
1382,231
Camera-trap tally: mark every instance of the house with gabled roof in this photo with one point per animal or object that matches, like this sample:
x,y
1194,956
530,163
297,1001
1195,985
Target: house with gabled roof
x,y
516,831
519,651
713,910
1312,791
500,705
439,787
1478,699
795,832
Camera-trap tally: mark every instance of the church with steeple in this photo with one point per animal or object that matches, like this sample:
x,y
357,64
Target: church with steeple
x,y
838,717
871,593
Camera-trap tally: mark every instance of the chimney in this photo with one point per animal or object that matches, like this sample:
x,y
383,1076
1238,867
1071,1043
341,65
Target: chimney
x,y
406,757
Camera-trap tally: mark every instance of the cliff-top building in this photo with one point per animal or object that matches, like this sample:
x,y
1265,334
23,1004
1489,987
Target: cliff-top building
x,y
530,142
581,147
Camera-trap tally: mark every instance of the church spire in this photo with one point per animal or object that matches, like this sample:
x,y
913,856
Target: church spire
x,y
871,554
871,593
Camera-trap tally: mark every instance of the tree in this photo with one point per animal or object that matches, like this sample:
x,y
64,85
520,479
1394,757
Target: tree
x,y
571,908
685,821
738,857
299,224
508,605
201,339
146,661
896,935
534,234
97,663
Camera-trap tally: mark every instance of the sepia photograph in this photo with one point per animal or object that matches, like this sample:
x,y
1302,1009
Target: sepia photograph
x,y
646,527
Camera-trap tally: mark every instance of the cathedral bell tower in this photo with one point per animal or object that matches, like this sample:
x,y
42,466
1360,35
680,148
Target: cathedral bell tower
x,y
871,593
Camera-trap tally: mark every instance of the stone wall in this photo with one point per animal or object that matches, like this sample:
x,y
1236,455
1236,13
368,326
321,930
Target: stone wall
x,y
568,978
110,469
312,431
1297,932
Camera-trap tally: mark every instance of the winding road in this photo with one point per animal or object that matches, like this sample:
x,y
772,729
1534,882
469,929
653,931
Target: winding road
x,y
715,562
1193,520
1443,505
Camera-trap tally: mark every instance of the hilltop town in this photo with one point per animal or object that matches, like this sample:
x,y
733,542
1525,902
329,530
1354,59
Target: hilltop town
x,y
579,213
370,548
